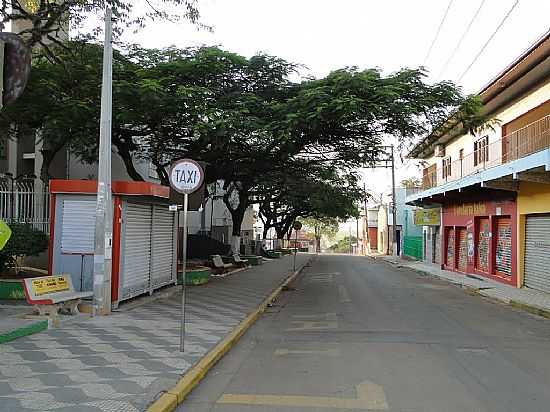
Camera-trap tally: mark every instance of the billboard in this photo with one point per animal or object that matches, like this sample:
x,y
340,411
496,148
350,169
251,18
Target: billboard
x,y
427,217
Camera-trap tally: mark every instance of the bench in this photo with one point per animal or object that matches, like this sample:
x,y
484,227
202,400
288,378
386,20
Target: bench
x,y
49,294
239,262
218,265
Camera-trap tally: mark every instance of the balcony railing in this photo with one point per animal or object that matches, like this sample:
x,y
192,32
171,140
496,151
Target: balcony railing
x,y
528,140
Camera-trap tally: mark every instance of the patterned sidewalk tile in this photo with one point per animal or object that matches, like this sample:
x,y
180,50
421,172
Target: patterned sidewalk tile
x,y
120,363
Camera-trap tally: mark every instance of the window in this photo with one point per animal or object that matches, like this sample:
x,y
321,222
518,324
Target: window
x,y
446,167
481,150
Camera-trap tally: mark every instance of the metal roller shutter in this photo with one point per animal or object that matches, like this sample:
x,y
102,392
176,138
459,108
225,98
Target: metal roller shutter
x,y
462,249
437,246
484,241
162,252
137,250
450,257
78,226
537,252
503,250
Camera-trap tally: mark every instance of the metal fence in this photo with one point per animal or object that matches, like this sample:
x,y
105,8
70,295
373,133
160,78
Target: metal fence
x,y
21,203
523,142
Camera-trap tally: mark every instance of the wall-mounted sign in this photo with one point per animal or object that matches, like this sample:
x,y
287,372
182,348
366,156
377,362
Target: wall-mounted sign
x,y
427,217
470,209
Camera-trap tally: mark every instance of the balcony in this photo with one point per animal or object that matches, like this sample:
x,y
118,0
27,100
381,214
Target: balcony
x,y
521,143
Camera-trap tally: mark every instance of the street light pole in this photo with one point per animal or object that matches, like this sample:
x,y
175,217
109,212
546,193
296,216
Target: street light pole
x,y
104,207
394,209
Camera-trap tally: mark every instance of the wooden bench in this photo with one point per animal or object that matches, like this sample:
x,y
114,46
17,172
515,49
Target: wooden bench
x,y
49,294
218,265
239,262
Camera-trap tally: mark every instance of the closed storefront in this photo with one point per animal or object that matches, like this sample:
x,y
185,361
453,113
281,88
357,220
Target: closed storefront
x,y
462,249
503,249
450,254
483,242
480,238
537,252
436,241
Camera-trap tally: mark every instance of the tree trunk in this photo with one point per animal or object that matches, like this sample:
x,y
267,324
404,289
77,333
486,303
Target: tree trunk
x,y
237,216
47,158
126,156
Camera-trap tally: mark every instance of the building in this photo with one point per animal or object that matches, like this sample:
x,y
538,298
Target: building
x,y
494,187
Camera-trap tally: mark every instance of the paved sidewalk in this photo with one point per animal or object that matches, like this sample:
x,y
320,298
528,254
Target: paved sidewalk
x,y
485,287
120,363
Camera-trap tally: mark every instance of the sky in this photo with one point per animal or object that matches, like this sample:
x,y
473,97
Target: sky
x,y
325,35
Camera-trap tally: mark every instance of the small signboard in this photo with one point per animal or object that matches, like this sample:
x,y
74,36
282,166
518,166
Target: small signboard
x,y
427,217
5,234
186,176
297,225
53,284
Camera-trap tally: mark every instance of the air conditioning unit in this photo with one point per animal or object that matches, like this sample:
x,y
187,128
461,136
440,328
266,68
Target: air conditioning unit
x,y
439,150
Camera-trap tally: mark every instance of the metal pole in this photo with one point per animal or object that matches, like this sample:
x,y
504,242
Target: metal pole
x,y
104,206
295,250
394,208
350,247
12,198
367,246
183,274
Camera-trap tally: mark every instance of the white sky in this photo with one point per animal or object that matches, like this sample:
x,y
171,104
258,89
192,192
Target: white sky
x,y
328,34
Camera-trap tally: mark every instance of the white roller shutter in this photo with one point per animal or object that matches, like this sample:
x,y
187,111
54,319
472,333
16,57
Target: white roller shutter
x,y
162,252
537,252
137,250
78,226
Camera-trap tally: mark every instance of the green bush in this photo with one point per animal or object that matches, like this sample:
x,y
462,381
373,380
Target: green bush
x,y
25,241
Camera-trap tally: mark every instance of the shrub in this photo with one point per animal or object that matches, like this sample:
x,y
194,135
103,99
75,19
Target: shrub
x,y
25,241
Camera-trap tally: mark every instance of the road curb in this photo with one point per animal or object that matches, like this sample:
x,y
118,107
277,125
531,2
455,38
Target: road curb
x,y
170,399
24,331
530,308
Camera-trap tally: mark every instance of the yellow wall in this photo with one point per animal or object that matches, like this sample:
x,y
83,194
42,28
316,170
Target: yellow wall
x,y
532,198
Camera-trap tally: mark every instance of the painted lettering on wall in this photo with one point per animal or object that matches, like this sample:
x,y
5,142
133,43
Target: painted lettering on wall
x,y
469,209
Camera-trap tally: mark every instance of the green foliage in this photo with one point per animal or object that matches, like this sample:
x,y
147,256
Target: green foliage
x,y
411,183
25,241
343,245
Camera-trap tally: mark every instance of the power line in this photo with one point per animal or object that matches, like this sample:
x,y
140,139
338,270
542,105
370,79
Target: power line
x,y
488,40
437,32
461,40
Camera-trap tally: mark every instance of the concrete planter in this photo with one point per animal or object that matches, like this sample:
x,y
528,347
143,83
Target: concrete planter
x,y
196,276
11,289
254,260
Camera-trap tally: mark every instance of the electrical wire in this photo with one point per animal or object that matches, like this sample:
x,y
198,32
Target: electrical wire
x,y
437,32
461,40
489,40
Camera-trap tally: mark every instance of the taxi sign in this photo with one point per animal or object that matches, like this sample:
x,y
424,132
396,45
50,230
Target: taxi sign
x,y
186,176
5,234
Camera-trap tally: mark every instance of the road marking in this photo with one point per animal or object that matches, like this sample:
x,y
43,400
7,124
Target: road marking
x,y
320,316
321,278
344,295
312,325
370,396
326,352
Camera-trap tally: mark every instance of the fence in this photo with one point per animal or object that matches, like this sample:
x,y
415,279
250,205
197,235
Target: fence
x,y
528,140
19,202
412,246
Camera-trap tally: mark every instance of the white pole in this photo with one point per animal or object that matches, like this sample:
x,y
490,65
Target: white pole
x,y
104,206
183,274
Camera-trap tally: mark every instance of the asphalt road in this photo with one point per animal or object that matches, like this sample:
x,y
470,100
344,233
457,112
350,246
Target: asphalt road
x,y
356,334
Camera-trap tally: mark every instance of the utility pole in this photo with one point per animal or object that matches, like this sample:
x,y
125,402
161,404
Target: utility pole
x,y
394,208
367,240
104,206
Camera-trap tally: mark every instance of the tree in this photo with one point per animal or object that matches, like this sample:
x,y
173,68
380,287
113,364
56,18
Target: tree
x,y
411,183
47,23
325,226
24,241
343,245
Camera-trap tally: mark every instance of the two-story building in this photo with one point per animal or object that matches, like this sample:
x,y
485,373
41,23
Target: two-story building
x,y
494,187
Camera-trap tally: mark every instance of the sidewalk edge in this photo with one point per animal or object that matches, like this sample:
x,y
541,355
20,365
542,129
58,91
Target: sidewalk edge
x,y
169,400
24,331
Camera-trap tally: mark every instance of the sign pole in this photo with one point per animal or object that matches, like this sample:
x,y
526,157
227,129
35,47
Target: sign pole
x,y
295,249
183,275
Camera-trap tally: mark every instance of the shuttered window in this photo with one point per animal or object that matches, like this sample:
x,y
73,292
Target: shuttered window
x,y
162,249
78,226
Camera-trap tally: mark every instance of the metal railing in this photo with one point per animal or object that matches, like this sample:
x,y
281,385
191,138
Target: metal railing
x,y
19,202
528,140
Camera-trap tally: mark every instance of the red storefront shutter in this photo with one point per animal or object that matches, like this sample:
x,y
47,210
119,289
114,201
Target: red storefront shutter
x,y
503,250
483,242
462,249
450,255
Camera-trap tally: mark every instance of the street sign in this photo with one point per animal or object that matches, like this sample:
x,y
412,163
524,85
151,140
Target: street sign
x,y
5,234
186,176
297,225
